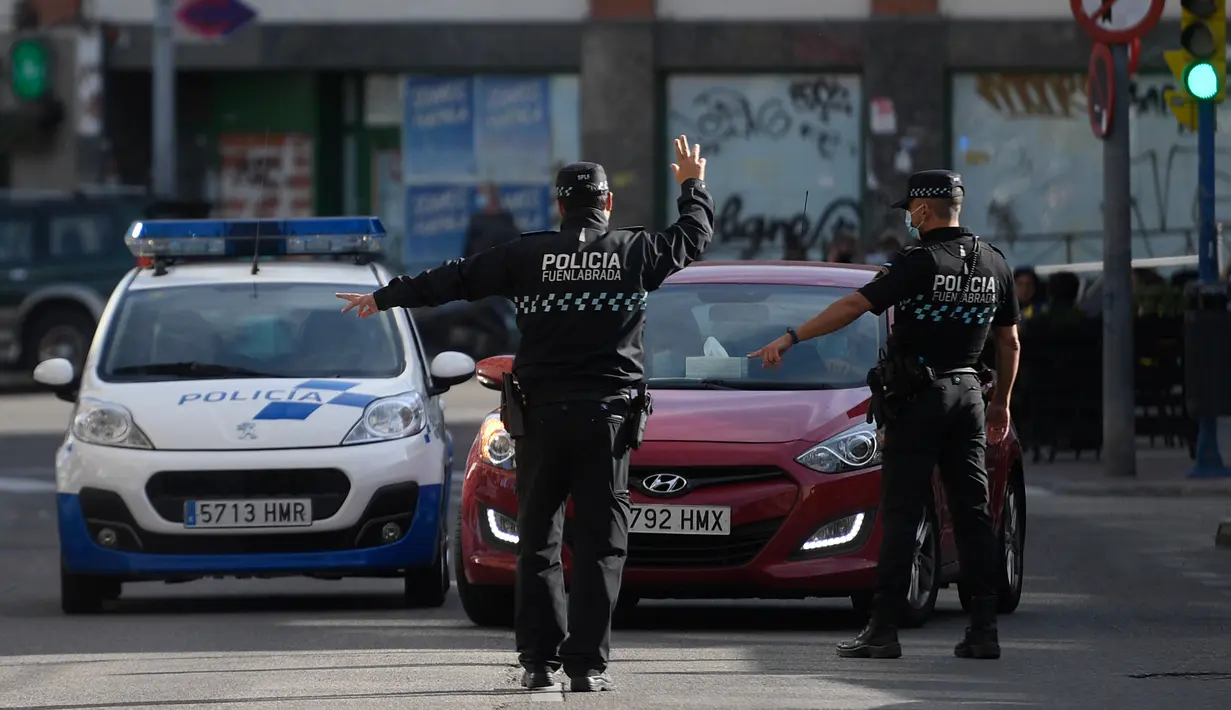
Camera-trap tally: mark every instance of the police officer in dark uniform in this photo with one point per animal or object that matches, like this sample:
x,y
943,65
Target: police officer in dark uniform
x,y
949,291
579,394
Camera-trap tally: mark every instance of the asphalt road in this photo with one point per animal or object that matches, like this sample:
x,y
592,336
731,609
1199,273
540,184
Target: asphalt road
x,y
1127,605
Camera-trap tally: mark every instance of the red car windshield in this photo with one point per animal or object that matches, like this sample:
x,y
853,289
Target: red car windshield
x,y
698,336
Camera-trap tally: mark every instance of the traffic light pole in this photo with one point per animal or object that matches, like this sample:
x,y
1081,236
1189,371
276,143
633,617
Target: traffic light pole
x,y
1119,415
1209,458
163,61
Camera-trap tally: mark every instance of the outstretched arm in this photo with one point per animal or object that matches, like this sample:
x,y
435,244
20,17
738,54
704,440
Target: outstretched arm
x,y
488,273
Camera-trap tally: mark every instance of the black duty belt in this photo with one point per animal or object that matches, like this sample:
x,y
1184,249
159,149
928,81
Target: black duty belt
x,y
545,398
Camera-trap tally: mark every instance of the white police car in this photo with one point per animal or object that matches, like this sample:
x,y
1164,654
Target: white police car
x,y
230,421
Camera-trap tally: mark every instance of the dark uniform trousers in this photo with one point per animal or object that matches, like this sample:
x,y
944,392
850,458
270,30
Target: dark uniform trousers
x,y
570,448
946,425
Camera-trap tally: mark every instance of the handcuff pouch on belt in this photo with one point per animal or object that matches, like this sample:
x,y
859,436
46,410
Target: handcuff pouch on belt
x,y
512,406
897,378
639,410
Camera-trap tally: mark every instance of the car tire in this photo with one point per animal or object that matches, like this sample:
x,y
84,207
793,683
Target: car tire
x,y
428,587
74,326
1011,543
921,597
85,594
485,605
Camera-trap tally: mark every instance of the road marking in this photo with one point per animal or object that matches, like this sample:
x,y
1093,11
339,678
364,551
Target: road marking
x,y
26,485
552,695
1037,492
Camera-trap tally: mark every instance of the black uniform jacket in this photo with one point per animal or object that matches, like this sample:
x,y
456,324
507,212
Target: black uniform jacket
x,y
948,293
580,294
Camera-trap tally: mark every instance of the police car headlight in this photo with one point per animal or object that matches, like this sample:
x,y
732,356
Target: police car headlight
x,y
390,418
495,445
856,448
107,424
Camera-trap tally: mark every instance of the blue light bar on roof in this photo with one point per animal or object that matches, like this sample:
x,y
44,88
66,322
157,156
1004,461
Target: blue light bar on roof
x,y
239,237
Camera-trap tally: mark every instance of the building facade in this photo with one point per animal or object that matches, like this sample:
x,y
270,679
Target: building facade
x,y
404,109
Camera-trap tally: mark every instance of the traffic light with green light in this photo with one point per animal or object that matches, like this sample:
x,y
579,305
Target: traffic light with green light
x,y
1203,38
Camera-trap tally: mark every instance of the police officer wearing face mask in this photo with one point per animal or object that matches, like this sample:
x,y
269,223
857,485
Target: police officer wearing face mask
x,y
949,292
576,402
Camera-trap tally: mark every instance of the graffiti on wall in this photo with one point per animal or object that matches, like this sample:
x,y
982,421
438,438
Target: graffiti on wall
x,y
1034,170
769,140
266,176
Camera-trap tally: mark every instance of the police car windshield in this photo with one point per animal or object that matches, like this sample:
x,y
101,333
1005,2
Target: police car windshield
x,y
246,331
698,336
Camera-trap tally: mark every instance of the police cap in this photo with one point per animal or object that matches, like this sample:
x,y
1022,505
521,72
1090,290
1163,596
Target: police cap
x,y
582,183
933,185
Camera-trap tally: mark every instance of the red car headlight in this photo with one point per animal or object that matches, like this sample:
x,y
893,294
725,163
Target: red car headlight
x,y
854,449
495,445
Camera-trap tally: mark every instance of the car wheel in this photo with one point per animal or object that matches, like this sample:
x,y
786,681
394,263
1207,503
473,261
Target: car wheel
x,y
924,571
428,587
85,594
485,605
1012,546
60,333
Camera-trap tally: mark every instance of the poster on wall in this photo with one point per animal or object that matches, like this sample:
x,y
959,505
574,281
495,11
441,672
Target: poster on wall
x,y
1035,173
768,140
510,131
266,176
513,130
437,217
438,130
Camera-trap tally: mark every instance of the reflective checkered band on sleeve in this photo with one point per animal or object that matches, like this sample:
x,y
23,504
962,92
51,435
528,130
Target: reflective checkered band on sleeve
x,y
968,315
588,301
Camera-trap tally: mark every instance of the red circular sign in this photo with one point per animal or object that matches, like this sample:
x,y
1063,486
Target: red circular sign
x,y
1117,21
1101,91
1134,56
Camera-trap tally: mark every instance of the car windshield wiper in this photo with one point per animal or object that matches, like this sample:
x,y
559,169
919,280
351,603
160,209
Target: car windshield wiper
x,y
189,369
690,383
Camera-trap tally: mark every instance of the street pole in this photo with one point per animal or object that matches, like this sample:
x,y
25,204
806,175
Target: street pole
x,y
1119,406
1209,458
164,168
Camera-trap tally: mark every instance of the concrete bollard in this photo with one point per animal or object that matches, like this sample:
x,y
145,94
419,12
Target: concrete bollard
x,y
1222,538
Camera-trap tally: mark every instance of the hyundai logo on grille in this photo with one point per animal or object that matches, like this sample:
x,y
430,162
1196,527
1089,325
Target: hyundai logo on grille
x,y
664,483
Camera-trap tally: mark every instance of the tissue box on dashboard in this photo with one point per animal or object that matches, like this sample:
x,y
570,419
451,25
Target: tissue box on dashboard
x,y
716,368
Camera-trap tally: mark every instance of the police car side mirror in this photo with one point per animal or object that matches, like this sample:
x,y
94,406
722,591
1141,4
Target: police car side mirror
x,y
58,375
450,369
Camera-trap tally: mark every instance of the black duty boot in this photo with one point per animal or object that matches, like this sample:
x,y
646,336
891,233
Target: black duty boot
x,y
591,683
982,640
879,639
537,679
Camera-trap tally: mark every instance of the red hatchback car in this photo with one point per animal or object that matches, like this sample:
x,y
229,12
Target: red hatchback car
x,y
752,483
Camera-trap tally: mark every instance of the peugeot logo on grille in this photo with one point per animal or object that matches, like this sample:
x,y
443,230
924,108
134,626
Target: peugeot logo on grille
x,y
664,483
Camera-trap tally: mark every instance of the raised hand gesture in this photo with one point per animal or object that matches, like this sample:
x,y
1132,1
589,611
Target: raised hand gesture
x,y
689,164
